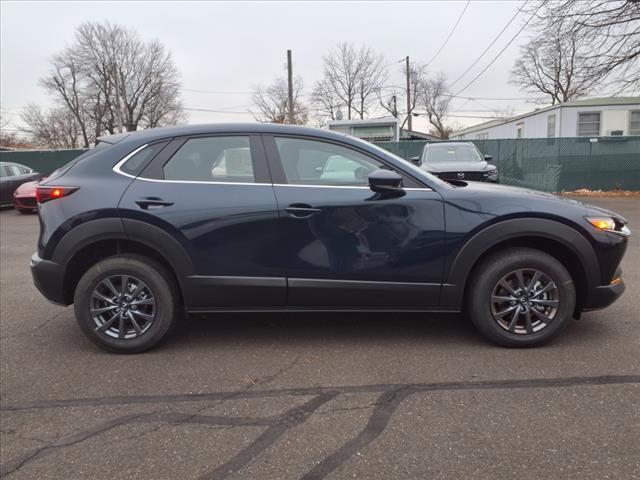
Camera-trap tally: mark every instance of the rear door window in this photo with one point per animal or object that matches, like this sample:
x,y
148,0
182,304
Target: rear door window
x,y
212,159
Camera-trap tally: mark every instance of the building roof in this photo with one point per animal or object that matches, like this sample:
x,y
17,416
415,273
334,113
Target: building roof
x,y
586,102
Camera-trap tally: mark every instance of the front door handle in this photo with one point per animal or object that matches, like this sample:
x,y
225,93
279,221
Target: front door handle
x,y
301,210
148,203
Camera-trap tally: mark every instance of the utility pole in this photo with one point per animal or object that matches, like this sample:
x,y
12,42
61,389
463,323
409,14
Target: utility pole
x,y
118,106
290,79
408,93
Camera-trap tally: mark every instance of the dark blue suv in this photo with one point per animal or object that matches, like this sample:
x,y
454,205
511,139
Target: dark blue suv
x,y
150,225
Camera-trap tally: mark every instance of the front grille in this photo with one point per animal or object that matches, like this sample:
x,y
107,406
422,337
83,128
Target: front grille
x,y
477,176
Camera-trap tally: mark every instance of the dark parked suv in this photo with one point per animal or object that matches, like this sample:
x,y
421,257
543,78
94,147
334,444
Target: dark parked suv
x,y
150,225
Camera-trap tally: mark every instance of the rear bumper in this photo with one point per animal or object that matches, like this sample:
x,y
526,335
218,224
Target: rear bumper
x,y
48,278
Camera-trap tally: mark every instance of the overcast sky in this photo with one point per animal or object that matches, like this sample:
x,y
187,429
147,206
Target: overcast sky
x,y
230,46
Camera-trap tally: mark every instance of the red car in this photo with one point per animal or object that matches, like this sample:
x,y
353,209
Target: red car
x,y
24,197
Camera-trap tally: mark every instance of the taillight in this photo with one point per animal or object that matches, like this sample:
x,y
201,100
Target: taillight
x,y
44,194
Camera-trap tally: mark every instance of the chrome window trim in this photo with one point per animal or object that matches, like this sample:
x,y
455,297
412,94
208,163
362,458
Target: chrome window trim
x,y
116,169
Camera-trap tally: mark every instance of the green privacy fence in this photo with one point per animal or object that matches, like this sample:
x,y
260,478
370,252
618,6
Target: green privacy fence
x,y
556,164
43,161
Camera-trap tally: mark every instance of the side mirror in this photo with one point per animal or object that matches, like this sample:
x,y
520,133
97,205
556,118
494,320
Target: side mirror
x,y
415,160
488,158
386,182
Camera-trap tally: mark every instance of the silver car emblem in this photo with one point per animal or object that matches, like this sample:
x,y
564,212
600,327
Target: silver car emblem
x,y
461,175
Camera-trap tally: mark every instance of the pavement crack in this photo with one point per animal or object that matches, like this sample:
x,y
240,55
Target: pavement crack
x,y
16,464
34,329
270,436
386,405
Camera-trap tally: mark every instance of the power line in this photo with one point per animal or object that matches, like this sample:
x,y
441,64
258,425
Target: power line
x,y
500,52
216,92
450,34
490,45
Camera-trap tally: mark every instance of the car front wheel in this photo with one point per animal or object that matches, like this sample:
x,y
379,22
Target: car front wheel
x,y
126,304
520,297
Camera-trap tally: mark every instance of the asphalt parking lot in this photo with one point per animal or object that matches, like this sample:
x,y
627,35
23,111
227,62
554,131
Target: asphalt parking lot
x,y
375,396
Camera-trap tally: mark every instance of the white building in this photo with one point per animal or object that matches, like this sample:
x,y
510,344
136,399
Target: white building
x,y
377,130
596,117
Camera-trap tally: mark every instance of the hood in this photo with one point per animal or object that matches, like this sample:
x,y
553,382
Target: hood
x,y
438,167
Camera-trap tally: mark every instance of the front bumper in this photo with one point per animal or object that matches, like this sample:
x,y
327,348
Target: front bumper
x,y
25,203
604,295
48,278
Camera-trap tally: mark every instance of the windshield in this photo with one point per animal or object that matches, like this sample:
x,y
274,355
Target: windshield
x,y
452,153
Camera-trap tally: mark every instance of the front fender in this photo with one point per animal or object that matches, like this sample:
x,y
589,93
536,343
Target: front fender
x,y
476,246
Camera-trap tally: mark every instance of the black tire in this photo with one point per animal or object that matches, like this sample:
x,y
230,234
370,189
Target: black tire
x,y
159,282
485,279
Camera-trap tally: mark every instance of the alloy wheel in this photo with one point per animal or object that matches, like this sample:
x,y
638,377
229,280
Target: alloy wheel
x,y
122,306
525,301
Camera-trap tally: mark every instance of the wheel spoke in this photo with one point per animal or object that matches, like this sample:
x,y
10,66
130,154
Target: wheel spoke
x,y
534,279
544,289
142,315
549,303
111,287
541,316
507,311
103,298
520,278
498,298
527,320
514,319
98,311
121,330
108,323
504,284
124,279
136,327
146,301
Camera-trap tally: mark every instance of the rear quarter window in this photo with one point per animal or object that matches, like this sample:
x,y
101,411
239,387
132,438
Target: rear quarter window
x,y
136,163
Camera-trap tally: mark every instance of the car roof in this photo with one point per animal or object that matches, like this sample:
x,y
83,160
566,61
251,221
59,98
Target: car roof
x,y
269,128
447,144
4,164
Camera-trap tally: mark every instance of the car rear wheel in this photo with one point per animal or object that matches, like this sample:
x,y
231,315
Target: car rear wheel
x,y
126,304
520,297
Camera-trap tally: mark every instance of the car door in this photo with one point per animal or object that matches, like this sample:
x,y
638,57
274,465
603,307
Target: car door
x,y
8,183
213,194
343,245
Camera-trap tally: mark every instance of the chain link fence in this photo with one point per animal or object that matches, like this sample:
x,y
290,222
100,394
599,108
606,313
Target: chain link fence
x,y
556,164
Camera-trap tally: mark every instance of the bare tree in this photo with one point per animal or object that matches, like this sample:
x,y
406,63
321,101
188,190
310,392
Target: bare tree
x,y
394,98
109,79
582,45
56,129
351,79
555,64
325,101
435,98
272,102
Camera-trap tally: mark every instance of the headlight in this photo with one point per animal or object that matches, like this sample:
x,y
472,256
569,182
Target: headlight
x,y
609,224
491,173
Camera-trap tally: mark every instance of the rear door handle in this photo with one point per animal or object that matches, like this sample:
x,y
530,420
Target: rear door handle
x,y
149,203
301,210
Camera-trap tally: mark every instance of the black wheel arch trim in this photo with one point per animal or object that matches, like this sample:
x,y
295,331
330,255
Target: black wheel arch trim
x,y
468,255
98,230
